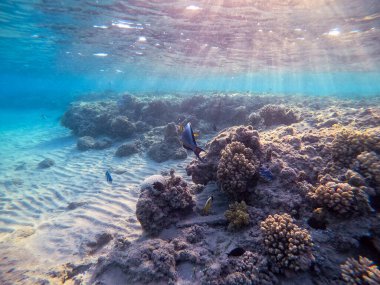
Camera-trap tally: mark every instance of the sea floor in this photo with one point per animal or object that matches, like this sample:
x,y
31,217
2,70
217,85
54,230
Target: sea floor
x,y
48,217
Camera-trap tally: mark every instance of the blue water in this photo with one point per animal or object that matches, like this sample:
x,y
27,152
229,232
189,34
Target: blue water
x,y
54,52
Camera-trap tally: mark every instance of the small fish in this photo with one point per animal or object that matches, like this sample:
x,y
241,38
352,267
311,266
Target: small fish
x,y
207,206
237,252
44,117
266,174
108,176
188,141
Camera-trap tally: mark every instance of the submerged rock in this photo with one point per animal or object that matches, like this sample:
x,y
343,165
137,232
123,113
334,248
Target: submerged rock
x,y
169,148
122,127
85,143
46,163
126,150
103,143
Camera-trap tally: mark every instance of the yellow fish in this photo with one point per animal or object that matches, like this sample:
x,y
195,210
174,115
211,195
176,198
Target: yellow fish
x,y
207,206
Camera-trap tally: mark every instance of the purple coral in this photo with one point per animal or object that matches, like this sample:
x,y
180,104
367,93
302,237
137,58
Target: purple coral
x,y
162,202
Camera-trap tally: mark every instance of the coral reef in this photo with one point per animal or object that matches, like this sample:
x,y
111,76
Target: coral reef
x,y
249,268
368,163
162,202
122,127
277,114
341,198
89,119
194,234
255,119
288,246
236,169
148,262
349,143
169,148
126,149
203,172
360,272
237,215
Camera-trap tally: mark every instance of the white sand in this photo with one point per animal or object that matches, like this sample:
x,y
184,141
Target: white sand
x,y
37,231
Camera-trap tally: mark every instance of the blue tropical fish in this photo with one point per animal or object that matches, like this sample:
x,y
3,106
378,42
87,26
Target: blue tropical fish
x,y
108,176
189,143
266,174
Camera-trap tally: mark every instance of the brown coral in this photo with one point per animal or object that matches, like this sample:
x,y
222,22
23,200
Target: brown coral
x,y
368,164
341,198
236,169
360,272
349,143
237,215
277,114
288,246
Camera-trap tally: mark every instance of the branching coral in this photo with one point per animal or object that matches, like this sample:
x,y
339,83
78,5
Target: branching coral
x,y
236,169
341,198
360,272
288,246
237,216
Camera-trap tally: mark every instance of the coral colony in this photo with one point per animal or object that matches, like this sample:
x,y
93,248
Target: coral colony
x,y
293,190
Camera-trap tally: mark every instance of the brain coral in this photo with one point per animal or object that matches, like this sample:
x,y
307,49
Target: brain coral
x,y
360,272
237,215
236,169
288,246
162,201
341,198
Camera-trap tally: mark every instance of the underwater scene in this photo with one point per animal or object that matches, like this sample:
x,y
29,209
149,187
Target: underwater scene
x,y
190,142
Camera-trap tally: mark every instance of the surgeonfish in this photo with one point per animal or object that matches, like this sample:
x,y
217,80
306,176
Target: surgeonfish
x,y
188,141
108,176
181,128
207,206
